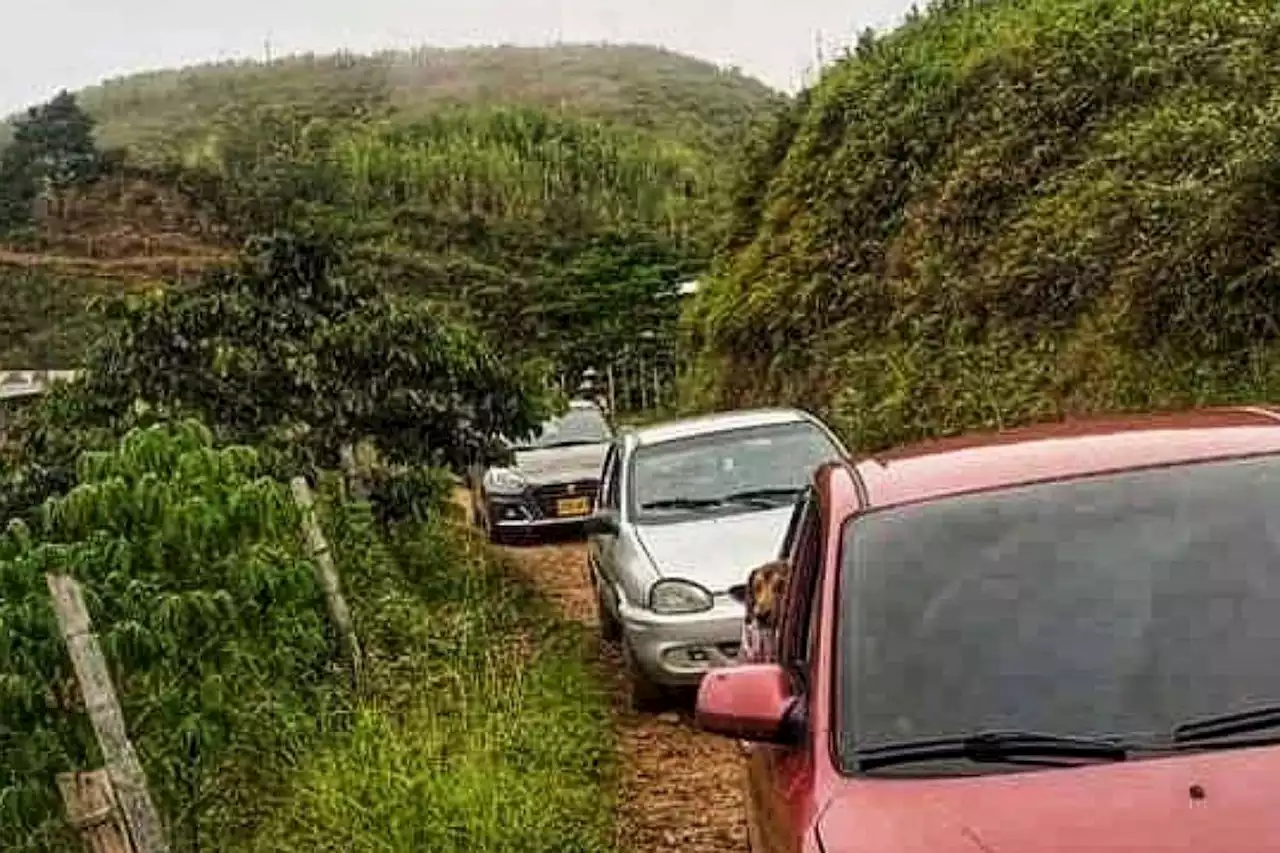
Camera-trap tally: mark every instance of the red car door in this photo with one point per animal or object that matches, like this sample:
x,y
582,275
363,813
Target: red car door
x,y
780,778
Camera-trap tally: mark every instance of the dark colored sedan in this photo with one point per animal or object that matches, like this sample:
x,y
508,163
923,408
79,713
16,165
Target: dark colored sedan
x,y
552,481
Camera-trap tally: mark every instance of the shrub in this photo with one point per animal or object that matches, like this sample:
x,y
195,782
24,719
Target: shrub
x,y
207,612
297,350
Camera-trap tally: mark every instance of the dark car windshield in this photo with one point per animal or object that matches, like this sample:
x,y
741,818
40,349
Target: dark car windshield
x,y
1119,605
577,426
733,471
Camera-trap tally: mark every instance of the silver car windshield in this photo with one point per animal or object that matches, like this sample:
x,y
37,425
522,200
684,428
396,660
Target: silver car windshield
x,y
1117,606
734,471
577,426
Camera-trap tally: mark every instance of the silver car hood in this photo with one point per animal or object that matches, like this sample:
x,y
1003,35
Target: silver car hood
x,y
715,552
561,464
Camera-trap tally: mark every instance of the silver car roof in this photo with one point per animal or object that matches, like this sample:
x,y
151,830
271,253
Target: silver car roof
x,y
716,422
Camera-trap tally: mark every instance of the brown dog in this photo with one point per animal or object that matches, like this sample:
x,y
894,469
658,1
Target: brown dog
x,y
766,588
762,597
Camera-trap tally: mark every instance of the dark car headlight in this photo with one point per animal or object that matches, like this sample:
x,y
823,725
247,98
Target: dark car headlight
x,y
504,481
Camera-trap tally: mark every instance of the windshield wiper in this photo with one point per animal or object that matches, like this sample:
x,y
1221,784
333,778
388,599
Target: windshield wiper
x,y
762,497
1225,725
682,503
997,747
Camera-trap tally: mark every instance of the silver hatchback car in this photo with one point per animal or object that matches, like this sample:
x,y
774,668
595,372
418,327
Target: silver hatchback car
x,y
685,510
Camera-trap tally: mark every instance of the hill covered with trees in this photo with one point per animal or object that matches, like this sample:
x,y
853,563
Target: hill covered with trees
x,y
1011,210
551,195
645,87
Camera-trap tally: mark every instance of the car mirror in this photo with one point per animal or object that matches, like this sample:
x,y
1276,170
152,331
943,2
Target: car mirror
x,y
751,702
601,523
739,593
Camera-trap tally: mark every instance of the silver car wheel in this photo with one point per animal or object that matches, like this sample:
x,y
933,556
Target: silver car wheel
x,y
646,695
610,628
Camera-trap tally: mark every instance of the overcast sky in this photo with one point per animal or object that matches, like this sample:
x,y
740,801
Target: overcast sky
x,y
46,45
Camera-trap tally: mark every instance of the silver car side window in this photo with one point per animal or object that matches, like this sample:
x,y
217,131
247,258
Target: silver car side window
x,y
609,487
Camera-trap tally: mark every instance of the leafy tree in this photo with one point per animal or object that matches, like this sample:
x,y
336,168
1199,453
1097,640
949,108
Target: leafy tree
x,y
206,605
302,350
52,150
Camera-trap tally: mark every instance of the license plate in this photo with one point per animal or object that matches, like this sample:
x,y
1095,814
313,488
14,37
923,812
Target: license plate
x,y
573,506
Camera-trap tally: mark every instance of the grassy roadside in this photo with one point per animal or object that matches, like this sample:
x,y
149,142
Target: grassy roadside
x,y
485,727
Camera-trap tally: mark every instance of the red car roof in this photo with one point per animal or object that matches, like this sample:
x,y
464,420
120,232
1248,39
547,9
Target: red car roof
x,y
1071,448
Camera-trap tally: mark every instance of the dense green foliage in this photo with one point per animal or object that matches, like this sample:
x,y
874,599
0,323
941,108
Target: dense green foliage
x,y
216,635
296,349
502,164
1009,209
193,571
644,87
46,318
556,236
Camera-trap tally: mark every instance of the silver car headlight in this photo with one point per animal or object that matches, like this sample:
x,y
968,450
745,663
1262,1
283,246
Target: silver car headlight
x,y
504,481
673,595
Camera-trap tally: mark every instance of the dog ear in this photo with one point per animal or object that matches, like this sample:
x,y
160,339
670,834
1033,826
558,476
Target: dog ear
x,y
746,593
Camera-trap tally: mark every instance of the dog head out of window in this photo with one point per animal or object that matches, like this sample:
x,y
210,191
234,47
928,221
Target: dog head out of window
x,y
763,593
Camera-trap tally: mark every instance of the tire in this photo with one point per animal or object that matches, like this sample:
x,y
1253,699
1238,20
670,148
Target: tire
x,y
490,532
495,535
644,695
610,628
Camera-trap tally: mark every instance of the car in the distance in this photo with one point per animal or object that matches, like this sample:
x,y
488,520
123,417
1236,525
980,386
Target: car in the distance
x,y
687,508
552,479
1051,640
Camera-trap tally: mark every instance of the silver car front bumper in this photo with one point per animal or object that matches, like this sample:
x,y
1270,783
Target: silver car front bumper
x,y
676,650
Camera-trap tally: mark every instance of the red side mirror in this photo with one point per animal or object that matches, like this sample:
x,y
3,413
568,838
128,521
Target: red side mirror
x,y
749,702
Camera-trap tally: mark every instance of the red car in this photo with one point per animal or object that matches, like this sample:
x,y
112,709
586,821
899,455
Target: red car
x,y
1065,638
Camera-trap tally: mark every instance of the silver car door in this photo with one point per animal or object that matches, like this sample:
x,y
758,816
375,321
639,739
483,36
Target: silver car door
x,y
602,549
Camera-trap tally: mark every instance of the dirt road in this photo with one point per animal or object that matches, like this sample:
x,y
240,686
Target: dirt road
x,y
681,789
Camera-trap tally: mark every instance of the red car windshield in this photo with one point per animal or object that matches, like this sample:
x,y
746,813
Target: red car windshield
x,y
1117,605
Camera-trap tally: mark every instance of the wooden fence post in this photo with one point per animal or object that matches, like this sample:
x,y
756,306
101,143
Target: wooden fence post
x,y
359,487
327,577
93,812
125,771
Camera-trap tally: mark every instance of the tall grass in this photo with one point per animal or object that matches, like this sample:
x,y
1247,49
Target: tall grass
x,y
510,755
487,729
